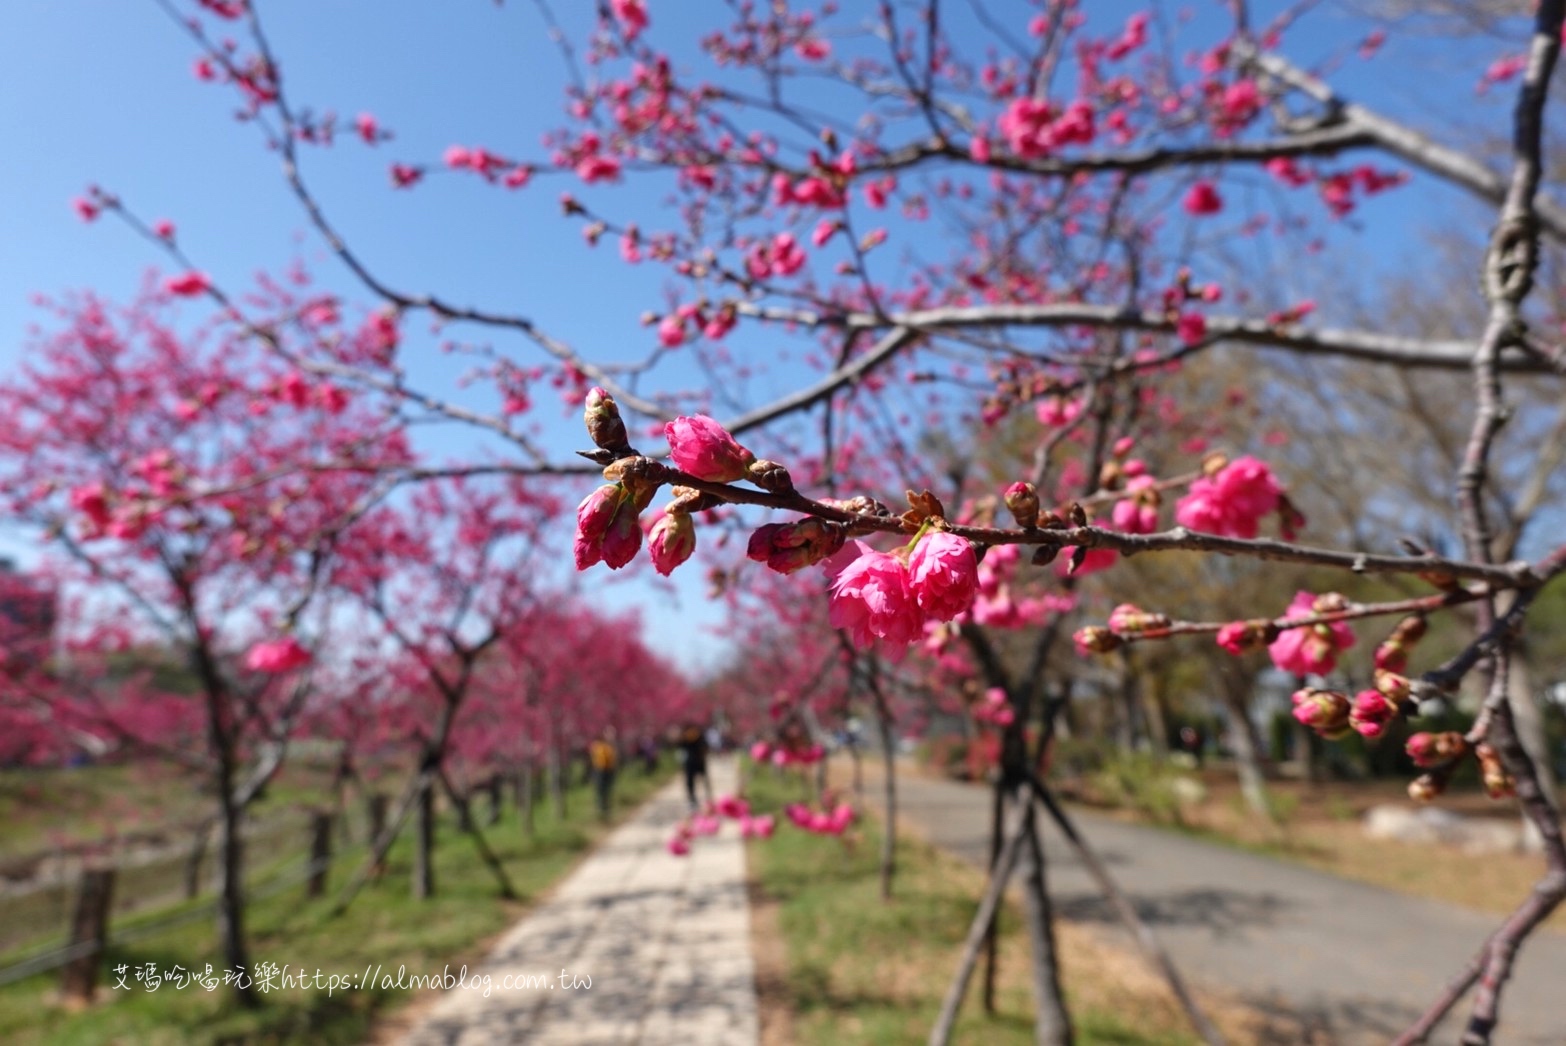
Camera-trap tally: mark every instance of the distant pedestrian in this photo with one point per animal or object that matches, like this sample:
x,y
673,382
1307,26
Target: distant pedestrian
x,y
604,760
647,748
693,756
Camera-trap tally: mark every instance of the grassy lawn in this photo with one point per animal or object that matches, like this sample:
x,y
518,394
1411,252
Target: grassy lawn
x,y
857,970
385,926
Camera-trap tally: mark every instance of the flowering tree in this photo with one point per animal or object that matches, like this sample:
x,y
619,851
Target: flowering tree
x,y
192,491
1016,229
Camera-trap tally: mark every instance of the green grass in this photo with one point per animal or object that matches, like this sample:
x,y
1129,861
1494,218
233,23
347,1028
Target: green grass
x,y
385,925
860,971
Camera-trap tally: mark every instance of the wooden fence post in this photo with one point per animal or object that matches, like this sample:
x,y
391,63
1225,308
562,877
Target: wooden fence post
x,y
90,930
320,851
379,801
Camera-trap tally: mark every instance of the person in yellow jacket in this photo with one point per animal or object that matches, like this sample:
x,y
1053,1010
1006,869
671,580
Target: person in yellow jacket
x,y
604,760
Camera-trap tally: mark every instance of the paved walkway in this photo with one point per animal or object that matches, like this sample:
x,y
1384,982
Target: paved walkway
x,y
665,940
1357,961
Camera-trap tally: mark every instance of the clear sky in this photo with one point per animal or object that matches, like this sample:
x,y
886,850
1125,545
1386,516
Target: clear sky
x,y
102,91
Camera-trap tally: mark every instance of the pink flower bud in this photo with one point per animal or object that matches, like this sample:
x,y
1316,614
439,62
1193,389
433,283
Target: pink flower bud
x,y
593,517
602,416
1095,640
672,541
624,537
1429,751
1371,713
1127,619
1202,199
1023,501
1238,637
704,449
760,751
1324,711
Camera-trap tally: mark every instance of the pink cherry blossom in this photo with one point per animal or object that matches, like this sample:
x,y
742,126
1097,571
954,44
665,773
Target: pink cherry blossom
x,y
1233,502
188,285
872,599
944,574
631,14
277,655
1312,649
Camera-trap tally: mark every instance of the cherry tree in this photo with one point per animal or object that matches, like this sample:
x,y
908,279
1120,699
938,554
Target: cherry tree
x,y
961,223
191,491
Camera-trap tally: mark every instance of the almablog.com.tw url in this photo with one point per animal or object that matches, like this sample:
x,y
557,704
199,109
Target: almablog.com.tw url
x,y
270,977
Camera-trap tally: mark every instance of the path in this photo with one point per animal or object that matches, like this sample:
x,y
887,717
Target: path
x,y
666,941
1356,960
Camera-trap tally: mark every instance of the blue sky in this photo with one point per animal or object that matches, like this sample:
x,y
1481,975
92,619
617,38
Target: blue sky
x,y
101,91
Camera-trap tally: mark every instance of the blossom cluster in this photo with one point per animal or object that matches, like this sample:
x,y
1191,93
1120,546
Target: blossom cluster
x,y
710,822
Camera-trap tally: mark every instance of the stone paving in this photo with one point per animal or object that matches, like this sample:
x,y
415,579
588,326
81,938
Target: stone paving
x,y
664,939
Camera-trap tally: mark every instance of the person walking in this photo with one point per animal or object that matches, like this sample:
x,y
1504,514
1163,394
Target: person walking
x,y
604,760
693,753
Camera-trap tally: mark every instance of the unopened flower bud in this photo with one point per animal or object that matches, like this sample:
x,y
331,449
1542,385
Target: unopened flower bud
x,y
1426,787
1329,603
593,517
1044,555
640,476
1371,713
1429,751
787,547
704,448
1095,640
1110,475
624,537
604,424
1214,463
1324,711
1023,501
1396,687
1127,619
1239,637
1077,514
770,476
691,501
1498,784
671,541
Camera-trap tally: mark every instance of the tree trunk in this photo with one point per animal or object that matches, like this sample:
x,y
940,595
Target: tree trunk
x,y
424,842
378,804
198,854
889,835
556,785
1155,708
495,799
1052,1022
991,937
1247,743
231,891
1528,723
525,802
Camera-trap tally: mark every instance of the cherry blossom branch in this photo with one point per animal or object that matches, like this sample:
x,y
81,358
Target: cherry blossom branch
x,y
1519,574
1352,612
285,141
1354,344
1450,164
1321,141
